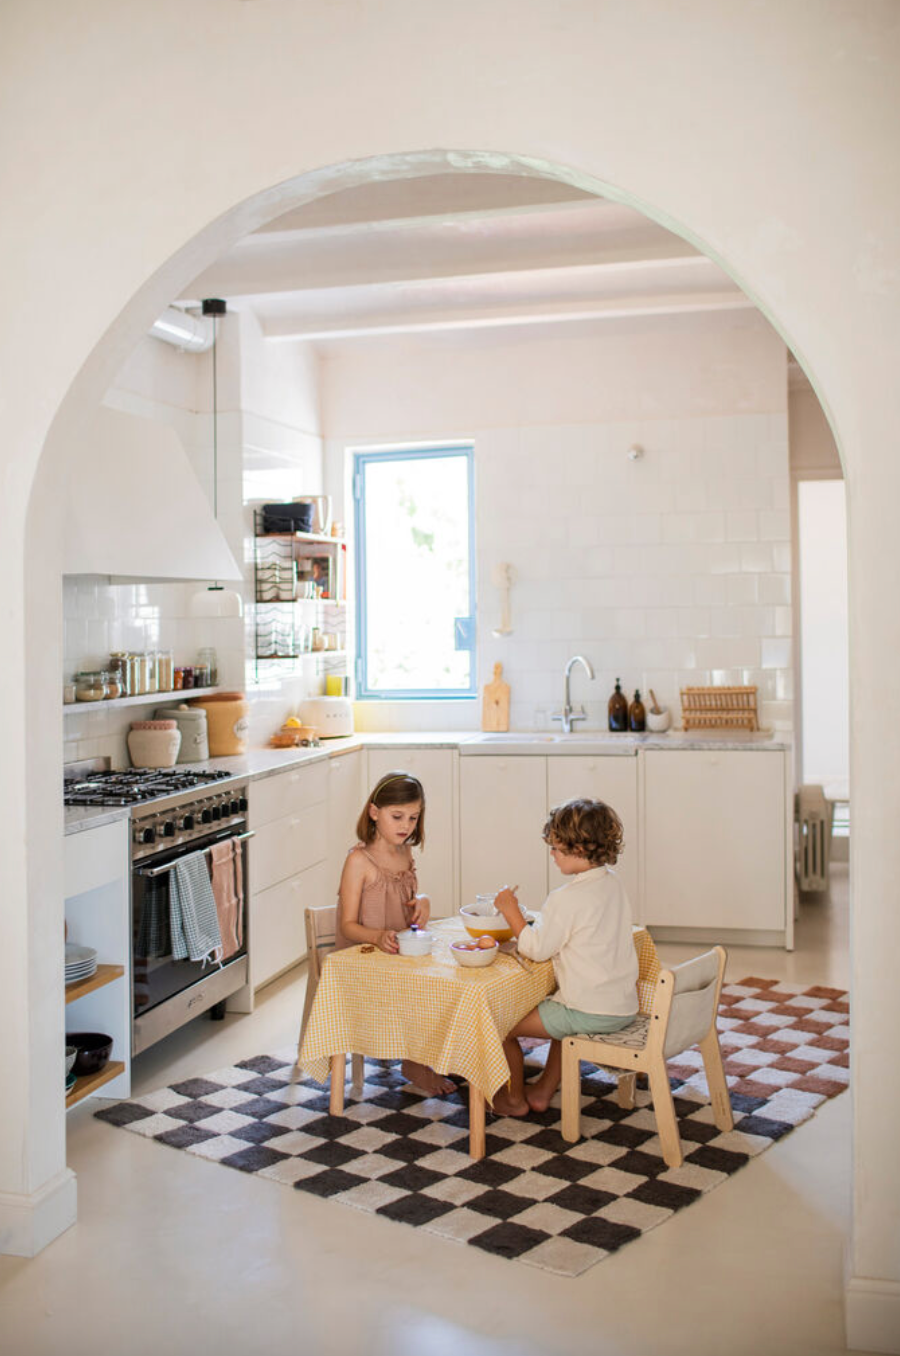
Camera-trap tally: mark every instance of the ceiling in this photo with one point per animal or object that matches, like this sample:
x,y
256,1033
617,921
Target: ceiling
x,y
459,252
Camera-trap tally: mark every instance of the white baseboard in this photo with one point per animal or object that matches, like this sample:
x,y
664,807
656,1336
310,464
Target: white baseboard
x,y
29,1223
872,1315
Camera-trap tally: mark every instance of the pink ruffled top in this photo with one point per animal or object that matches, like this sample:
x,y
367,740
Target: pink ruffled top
x,y
386,901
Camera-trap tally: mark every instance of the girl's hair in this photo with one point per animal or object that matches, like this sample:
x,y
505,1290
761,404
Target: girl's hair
x,y
586,828
394,788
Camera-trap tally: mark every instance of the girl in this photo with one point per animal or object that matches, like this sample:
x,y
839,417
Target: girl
x,y
378,894
585,928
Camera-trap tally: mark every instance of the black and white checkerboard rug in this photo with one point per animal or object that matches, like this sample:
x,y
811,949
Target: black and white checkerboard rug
x,y
533,1198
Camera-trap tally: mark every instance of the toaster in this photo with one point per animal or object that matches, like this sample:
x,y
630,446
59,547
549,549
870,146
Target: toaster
x,y
332,716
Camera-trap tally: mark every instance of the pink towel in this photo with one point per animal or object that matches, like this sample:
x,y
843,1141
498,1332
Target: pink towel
x,y
227,879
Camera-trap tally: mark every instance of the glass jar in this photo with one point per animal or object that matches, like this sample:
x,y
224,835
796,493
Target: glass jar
x,y
68,693
114,686
90,686
209,659
118,667
132,674
177,679
165,671
201,675
187,676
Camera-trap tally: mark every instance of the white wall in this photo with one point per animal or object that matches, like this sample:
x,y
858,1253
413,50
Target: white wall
x,y
666,571
765,133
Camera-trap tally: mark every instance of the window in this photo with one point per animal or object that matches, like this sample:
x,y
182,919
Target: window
x,y
415,573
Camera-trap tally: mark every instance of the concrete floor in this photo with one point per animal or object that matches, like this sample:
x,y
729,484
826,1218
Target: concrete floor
x,y
172,1254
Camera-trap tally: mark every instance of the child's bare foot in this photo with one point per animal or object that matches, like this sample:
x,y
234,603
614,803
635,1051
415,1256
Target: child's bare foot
x,y
426,1079
539,1097
504,1105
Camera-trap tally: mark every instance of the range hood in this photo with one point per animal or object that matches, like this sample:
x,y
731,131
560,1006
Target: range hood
x,y
136,510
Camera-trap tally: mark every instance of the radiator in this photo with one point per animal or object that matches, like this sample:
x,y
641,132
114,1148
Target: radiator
x,y
813,814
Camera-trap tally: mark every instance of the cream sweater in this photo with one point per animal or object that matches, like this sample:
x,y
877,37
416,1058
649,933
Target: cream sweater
x,y
585,929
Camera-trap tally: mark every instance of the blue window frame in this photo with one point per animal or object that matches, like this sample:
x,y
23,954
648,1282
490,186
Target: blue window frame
x,y
415,573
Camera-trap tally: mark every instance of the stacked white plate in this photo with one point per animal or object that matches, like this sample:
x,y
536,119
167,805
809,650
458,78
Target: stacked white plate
x,y
81,962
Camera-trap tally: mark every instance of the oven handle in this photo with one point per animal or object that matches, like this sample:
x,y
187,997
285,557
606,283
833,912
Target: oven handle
x,y
160,870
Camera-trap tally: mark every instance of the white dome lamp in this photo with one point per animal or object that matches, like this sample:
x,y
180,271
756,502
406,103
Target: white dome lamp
x,y
215,601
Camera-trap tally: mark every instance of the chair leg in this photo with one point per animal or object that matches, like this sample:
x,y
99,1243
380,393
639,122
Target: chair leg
x,y
358,1072
570,1096
716,1081
664,1110
625,1090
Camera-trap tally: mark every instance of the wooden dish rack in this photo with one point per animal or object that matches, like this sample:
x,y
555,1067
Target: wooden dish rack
x,y
719,708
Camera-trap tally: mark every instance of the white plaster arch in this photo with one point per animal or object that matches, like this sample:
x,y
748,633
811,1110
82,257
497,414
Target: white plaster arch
x,y
118,194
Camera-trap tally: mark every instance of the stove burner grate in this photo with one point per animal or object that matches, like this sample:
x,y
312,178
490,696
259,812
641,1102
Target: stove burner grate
x,y
135,785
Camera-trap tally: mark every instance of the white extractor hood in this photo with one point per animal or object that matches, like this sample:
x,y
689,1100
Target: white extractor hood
x,y
136,509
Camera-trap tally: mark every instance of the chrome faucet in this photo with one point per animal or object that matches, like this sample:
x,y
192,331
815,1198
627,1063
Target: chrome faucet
x,y
567,715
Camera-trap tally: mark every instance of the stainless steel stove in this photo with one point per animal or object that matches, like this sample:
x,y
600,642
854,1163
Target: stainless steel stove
x,y
175,813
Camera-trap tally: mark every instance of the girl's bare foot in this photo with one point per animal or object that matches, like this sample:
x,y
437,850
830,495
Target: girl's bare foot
x,y
538,1097
504,1105
422,1077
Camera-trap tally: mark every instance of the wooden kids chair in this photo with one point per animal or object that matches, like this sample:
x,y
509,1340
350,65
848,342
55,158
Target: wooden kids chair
x,y
683,1014
321,935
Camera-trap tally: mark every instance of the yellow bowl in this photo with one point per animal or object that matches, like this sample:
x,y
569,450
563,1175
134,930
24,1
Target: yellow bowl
x,y
495,926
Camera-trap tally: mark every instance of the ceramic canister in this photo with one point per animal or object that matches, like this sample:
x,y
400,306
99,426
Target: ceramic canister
x,y
192,723
154,743
228,717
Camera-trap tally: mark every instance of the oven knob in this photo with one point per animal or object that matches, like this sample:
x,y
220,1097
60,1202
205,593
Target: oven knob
x,y
235,807
242,804
206,816
169,828
187,822
148,835
217,812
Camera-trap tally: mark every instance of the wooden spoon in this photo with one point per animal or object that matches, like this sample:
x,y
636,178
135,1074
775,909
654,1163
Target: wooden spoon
x,y
655,708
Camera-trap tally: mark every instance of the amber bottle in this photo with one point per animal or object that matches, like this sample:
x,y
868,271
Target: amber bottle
x,y
618,709
637,716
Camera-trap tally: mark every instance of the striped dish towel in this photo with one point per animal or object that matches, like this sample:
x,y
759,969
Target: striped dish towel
x,y
192,911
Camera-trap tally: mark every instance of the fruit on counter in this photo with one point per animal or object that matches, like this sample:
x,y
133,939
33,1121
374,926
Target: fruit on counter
x,y
292,723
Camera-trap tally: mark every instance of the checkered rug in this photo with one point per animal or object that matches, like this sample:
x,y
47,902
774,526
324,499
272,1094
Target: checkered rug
x,y
533,1198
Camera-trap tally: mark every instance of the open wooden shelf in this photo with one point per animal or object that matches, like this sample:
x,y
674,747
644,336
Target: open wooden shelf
x,y
85,1084
181,694
104,974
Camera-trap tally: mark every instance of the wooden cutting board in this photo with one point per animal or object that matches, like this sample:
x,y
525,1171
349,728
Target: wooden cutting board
x,y
495,707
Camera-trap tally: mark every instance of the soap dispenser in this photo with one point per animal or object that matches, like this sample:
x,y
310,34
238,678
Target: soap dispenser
x,y
618,709
637,717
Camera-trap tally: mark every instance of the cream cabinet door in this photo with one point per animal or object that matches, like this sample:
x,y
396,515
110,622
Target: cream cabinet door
x,y
278,924
436,862
503,804
714,839
610,779
346,793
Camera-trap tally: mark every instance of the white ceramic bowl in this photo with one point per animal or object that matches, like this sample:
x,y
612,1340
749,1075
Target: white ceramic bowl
x,y
659,721
483,955
495,925
414,942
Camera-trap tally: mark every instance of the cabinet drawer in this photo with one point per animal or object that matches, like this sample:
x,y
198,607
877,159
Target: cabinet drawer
x,y
285,846
274,797
277,927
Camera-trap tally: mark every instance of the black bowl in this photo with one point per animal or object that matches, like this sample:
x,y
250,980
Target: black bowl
x,y
94,1049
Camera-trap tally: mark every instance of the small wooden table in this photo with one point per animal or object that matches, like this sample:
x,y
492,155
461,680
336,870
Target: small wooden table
x,y
429,1009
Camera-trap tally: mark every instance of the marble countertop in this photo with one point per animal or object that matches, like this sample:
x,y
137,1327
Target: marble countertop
x,y
268,762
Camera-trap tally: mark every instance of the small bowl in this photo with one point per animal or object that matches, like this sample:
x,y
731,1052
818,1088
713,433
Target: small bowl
x,y
659,721
414,942
483,955
71,1056
93,1050
492,925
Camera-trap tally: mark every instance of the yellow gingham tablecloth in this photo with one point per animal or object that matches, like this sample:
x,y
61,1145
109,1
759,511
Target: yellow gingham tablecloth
x,y
429,1009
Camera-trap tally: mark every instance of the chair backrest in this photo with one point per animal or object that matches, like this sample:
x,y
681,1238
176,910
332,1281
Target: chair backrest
x,y
694,1001
321,935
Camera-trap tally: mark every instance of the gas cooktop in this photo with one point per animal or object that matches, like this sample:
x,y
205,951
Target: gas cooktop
x,y
134,786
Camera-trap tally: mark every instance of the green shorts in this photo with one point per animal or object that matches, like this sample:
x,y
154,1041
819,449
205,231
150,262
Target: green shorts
x,y
560,1021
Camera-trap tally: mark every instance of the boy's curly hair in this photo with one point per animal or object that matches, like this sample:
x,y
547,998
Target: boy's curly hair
x,y
587,828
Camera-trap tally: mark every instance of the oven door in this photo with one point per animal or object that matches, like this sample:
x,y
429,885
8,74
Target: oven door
x,y
167,992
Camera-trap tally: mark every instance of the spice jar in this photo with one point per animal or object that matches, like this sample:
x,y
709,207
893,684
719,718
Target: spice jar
x,y
209,659
178,679
118,666
114,687
90,687
187,676
165,671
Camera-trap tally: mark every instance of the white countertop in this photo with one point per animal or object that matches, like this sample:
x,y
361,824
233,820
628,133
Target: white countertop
x,y
268,762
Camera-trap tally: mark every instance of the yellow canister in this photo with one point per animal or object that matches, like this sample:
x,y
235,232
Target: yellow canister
x,y
228,722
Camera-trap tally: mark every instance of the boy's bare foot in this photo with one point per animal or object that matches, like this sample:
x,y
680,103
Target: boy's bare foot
x,y
426,1079
537,1097
503,1105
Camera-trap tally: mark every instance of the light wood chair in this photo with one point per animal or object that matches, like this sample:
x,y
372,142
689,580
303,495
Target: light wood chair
x,y
683,1014
321,935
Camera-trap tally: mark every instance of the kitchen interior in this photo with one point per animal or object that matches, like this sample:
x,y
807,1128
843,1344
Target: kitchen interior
x,y
637,431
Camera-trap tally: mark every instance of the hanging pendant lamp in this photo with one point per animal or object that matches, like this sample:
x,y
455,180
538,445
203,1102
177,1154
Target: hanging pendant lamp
x,y
215,601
